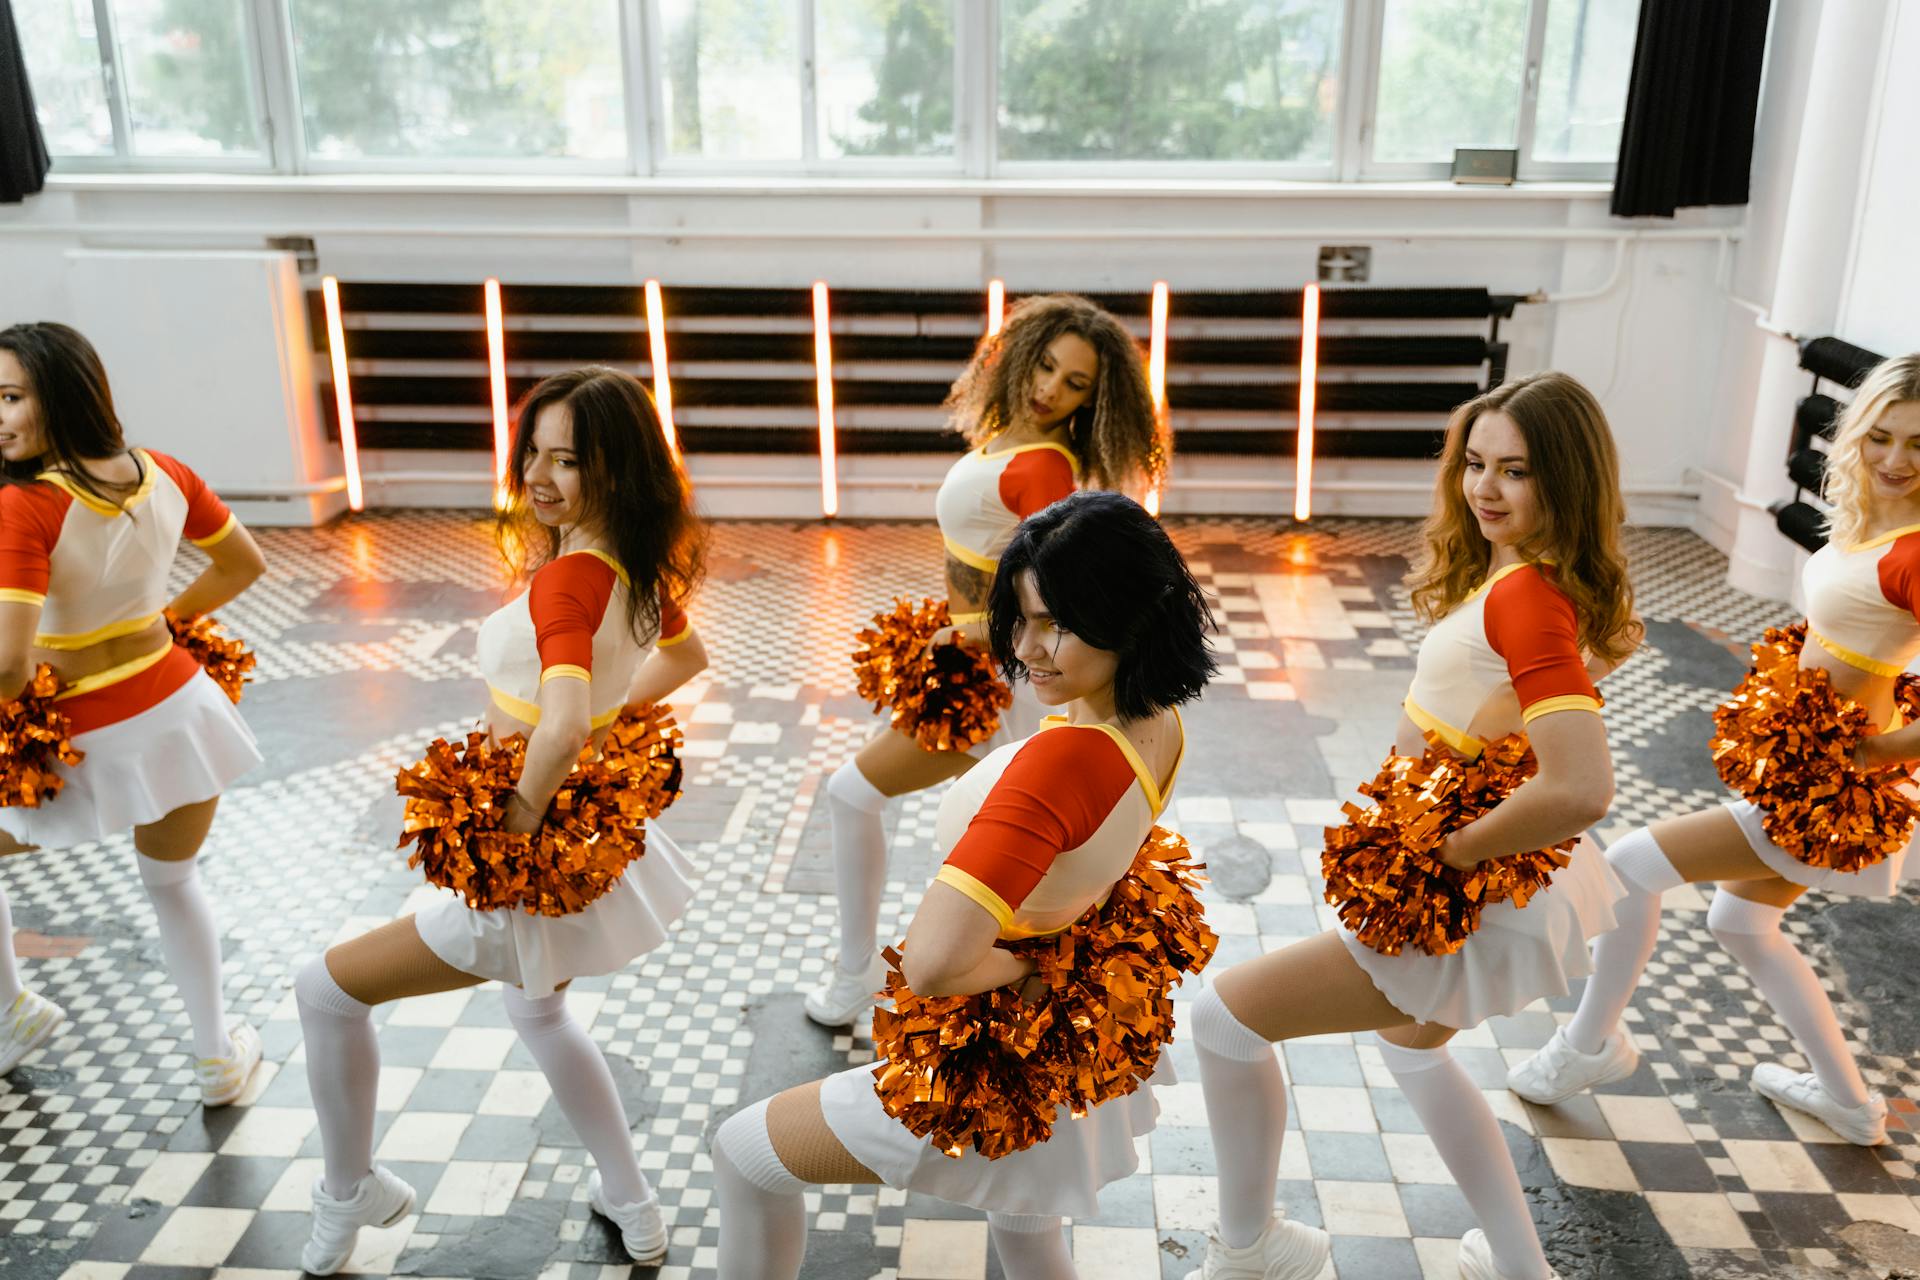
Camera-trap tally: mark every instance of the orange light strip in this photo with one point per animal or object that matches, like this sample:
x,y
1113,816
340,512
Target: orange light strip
x,y
996,305
823,374
1157,373
1309,371
657,346
497,381
343,393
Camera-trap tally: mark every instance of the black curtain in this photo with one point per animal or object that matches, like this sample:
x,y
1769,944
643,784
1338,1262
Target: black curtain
x,y
23,151
1688,135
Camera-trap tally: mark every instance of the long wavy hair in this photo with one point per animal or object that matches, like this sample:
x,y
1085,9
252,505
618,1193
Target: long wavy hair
x,y
1116,435
633,492
1576,477
69,380
1846,488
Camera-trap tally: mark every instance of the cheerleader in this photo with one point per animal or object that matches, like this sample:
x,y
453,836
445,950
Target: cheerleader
x,y
1058,399
1522,573
88,532
1863,628
601,515
1096,610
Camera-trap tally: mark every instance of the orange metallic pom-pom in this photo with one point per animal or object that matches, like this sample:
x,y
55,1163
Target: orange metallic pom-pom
x,y
35,736
947,697
989,1072
1785,740
1382,866
643,747
457,798
226,659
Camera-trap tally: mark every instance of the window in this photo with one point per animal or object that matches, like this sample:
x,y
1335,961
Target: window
x,y
1344,89
1183,80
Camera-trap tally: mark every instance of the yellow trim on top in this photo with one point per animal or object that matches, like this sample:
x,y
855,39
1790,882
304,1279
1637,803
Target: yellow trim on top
x,y
1852,659
214,539
1458,739
19,595
1061,449
1564,702
667,642
1884,539
989,901
606,559
141,493
1156,794
566,671
528,713
967,619
1487,586
114,675
80,640
968,556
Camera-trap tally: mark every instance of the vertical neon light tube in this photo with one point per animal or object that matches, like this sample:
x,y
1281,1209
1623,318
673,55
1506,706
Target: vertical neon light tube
x,y
996,305
657,348
1309,371
823,374
342,393
497,385
1157,373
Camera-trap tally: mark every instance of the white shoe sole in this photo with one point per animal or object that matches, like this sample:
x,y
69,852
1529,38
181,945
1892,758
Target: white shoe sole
x,y
330,1266
56,1018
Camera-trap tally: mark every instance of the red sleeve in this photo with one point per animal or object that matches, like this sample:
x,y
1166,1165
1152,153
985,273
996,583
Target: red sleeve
x,y
1531,623
30,519
1034,480
1056,791
208,519
1900,573
568,599
673,622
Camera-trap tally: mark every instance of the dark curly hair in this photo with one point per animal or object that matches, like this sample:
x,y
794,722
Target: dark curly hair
x,y
1110,574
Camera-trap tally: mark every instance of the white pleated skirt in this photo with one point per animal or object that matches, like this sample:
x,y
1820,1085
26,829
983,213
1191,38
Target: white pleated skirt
x,y
1877,881
185,749
1516,957
1061,1176
538,953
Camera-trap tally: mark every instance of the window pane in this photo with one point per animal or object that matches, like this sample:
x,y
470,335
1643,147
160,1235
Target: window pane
x,y
885,77
1449,77
461,78
1584,70
731,84
1169,79
188,91
63,70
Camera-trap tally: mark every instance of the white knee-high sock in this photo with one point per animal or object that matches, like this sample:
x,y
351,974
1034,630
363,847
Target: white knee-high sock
x,y
1031,1246
1750,932
9,972
1621,956
1465,1131
343,1074
1246,1113
191,944
859,862
763,1216
583,1086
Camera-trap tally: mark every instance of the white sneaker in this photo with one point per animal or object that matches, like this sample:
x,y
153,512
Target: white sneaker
x,y
29,1022
642,1230
379,1201
222,1080
1476,1259
1286,1250
844,996
1558,1070
1864,1125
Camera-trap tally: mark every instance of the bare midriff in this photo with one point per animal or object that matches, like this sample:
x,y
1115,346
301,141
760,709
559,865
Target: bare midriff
x,y
1873,692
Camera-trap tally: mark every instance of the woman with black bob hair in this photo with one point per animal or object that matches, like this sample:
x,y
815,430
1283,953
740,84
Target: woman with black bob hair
x,y
600,523
1095,609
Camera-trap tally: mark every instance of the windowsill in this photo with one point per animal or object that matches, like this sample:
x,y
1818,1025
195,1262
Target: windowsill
x,y
548,184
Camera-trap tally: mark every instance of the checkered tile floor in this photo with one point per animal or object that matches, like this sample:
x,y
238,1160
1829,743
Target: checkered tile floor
x,y
108,1170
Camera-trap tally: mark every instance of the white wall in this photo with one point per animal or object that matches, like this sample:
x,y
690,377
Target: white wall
x,y
1880,309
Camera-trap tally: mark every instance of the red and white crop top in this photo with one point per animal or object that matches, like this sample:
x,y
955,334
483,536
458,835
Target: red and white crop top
x,y
1042,829
1863,601
1517,628
987,494
571,624
100,571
